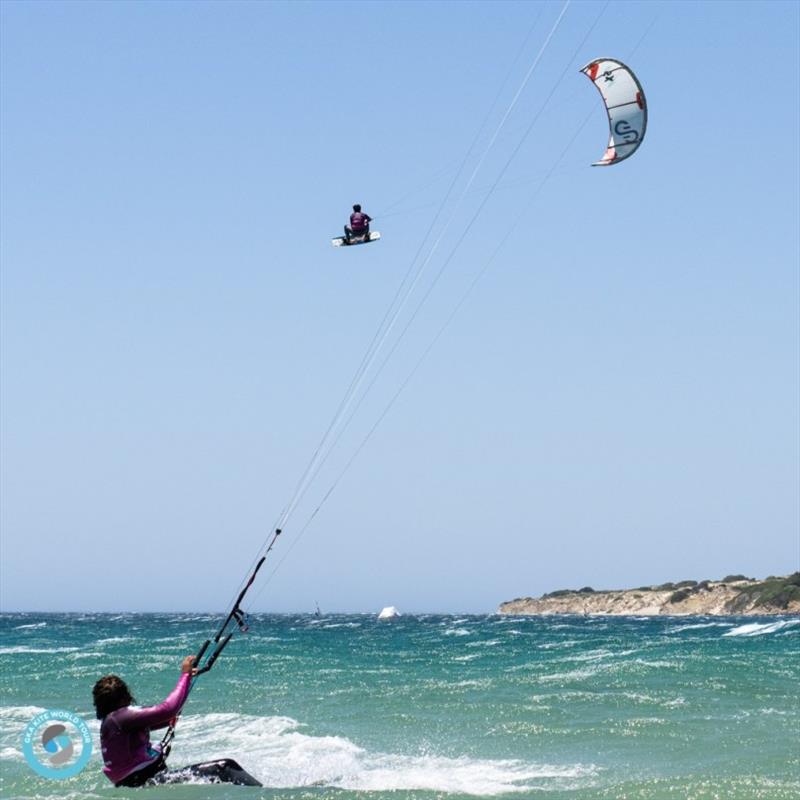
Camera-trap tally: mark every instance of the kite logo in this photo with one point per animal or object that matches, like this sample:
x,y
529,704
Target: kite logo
x,y
629,135
56,741
57,744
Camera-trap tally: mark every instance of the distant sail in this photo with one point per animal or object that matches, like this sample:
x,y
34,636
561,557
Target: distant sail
x,y
625,105
390,612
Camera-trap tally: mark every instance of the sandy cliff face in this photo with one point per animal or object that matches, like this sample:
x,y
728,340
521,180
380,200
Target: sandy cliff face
x,y
749,597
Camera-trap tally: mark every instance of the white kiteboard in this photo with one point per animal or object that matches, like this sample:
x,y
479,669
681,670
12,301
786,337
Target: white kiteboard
x,y
340,241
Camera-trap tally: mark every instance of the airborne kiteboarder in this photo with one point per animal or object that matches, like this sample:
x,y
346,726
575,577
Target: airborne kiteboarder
x,y
357,232
359,224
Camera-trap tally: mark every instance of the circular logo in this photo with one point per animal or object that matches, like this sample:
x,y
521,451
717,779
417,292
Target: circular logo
x,y
57,744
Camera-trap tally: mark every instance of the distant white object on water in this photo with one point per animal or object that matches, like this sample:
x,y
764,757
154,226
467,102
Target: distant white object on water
x,y
390,612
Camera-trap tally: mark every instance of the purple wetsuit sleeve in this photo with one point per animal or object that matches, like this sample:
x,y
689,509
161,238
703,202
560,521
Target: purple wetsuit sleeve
x,y
158,716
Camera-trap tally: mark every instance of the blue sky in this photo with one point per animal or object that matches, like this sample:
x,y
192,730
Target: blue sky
x,y
616,403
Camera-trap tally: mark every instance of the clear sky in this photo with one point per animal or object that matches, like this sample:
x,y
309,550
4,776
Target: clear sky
x,y
615,404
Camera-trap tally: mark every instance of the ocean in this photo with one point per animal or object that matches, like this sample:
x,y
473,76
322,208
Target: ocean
x,y
431,706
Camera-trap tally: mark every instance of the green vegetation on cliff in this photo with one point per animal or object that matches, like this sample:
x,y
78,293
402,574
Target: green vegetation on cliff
x,y
734,594
769,594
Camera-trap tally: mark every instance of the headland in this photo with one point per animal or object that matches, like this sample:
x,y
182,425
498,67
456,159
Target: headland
x,y
732,595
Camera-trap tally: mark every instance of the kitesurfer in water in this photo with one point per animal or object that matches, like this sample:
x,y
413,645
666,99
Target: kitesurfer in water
x,y
128,756
359,224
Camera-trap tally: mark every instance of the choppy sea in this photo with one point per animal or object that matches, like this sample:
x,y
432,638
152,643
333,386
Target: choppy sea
x,y
432,706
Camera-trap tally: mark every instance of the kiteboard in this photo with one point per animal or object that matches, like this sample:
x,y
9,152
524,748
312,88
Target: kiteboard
x,y
340,241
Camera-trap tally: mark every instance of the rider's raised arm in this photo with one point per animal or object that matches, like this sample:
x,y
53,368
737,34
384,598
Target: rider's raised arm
x,y
154,717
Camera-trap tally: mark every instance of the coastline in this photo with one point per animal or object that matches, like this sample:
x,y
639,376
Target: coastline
x,y
734,595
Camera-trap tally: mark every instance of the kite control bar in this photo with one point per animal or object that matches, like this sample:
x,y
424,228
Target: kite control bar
x,y
220,643
237,614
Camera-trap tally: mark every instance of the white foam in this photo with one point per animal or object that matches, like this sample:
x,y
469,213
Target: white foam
x,y
5,651
640,697
761,628
457,632
30,625
574,675
20,712
657,664
274,750
13,720
596,655
115,640
698,625
558,645
342,625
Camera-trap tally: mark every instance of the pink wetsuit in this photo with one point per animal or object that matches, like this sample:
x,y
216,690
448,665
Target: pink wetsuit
x,y
125,733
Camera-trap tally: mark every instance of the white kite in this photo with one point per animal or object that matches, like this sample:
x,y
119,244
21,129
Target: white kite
x,y
627,110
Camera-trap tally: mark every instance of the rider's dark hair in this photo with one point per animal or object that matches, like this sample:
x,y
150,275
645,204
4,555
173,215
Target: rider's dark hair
x,y
356,207
109,694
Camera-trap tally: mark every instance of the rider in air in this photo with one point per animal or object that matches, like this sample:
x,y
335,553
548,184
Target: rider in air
x,y
359,224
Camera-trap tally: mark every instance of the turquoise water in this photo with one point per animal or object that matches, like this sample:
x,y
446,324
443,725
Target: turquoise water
x,y
433,706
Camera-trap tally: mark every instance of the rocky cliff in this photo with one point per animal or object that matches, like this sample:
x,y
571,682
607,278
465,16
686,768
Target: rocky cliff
x,y
735,594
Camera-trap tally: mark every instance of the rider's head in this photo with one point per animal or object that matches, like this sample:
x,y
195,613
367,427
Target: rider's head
x,y
356,207
109,694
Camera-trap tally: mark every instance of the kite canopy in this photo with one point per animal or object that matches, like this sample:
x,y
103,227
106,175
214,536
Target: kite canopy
x,y
627,111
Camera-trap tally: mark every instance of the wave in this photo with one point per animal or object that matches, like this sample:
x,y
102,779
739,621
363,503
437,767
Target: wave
x,y
649,699
558,645
643,662
13,720
698,625
574,675
6,651
30,625
86,654
342,625
20,712
761,628
596,655
280,755
457,632
116,640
